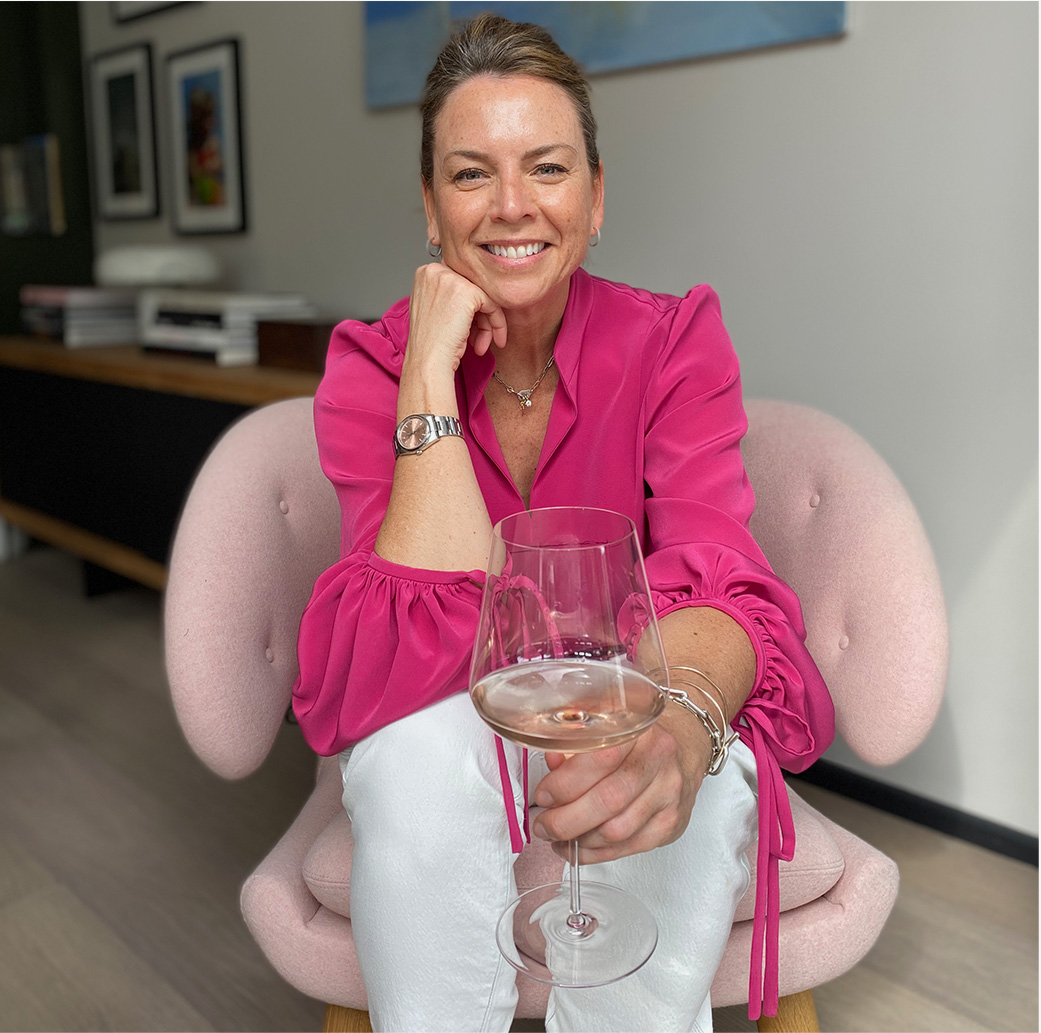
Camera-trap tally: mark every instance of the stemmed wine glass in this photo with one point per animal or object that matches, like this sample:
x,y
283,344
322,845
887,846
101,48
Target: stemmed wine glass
x,y
566,640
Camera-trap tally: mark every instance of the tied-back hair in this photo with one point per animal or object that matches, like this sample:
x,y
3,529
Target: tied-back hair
x,y
493,45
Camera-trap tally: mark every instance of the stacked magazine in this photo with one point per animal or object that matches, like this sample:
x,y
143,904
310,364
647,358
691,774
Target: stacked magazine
x,y
80,317
220,325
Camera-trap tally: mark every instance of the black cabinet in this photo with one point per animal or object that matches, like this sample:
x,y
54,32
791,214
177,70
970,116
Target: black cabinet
x,y
99,447
112,460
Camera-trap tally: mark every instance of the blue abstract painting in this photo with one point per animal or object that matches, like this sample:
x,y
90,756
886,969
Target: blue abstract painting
x,y
402,39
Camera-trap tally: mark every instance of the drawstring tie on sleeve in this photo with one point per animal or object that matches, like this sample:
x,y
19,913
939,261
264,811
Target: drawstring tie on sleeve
x,y
517,839
776,843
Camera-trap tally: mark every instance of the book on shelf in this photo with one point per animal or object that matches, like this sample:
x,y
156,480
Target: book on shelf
x,y
56,296
31,199
226,355
80,317
221,325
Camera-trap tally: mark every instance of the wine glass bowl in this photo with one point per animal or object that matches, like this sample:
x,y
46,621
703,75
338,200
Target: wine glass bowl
x,y
566,644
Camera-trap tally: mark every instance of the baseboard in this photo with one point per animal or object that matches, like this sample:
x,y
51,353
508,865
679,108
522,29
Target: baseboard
x,y
999,838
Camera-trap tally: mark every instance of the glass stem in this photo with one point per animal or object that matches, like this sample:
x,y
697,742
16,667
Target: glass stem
x,y
575,919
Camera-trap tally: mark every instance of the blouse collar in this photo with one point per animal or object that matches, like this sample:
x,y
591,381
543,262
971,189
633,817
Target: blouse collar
x,y
477,369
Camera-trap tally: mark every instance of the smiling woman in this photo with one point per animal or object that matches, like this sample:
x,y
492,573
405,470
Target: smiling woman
x,y
629,401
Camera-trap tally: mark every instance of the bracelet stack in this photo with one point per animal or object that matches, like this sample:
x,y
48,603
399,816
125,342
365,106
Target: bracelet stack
x,y
719,733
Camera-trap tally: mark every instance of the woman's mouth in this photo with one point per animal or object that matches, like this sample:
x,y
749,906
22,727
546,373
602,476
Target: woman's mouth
x,y
515,251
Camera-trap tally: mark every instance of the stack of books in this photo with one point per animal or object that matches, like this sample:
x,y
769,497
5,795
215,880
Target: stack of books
x,y
80,317
220,325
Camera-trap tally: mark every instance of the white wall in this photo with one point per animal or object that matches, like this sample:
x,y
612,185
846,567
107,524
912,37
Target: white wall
x,y
867,210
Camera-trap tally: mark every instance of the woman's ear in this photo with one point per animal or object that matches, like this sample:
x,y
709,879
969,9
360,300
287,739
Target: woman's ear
x,y
598,198
431,209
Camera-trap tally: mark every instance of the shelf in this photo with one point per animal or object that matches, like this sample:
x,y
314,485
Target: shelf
x,y
132,366
85,544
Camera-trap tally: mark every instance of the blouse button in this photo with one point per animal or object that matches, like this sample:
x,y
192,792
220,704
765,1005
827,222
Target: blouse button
x,y
815,500
844,642
284,506
269,654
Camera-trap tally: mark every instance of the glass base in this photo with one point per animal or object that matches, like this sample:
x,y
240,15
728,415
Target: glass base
x,y
535,937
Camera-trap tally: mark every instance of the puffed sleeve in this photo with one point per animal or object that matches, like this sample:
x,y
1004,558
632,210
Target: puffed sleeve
x,y
701,553
377,640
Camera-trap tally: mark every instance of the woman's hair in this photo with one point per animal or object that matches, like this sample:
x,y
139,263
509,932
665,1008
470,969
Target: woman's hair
x,y
492,45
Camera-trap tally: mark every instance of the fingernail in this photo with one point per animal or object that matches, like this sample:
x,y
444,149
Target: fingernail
x,y
540,831
543,799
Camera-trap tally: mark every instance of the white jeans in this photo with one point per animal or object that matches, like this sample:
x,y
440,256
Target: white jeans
x,y
433,870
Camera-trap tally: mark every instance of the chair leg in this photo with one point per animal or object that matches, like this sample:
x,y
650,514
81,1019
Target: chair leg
x,y
795,1014
345,1020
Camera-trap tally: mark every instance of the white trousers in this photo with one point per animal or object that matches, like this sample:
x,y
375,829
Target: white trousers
x,y
433,870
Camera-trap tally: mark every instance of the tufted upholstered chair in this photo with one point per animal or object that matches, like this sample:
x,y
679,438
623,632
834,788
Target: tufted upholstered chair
x,y
261,522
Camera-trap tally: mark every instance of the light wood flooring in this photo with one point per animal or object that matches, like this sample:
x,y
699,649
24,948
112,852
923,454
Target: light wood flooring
x,y
121,856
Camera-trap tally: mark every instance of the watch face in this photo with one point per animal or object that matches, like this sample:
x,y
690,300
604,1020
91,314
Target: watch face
x,y
413,432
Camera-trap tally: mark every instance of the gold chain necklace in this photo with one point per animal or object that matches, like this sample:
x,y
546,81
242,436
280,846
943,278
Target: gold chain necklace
x,y
524,397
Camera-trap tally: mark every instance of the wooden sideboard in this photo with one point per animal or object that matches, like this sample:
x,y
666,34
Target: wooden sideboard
x,y
98,446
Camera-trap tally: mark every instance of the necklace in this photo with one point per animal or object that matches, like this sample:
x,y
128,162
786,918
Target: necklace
x,y
524,397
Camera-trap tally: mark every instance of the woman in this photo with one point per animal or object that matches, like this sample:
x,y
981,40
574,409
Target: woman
x,y
549,387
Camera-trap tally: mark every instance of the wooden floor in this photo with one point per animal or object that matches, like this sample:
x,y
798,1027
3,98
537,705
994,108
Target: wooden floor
x,y
121,856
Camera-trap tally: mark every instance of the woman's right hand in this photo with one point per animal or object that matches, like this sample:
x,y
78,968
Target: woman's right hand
x,y
447,312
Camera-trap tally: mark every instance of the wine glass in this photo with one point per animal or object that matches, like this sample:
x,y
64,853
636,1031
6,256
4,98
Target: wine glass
x,y
566,640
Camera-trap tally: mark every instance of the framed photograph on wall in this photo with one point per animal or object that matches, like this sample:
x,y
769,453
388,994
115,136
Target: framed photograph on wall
x,y
123,124
205,116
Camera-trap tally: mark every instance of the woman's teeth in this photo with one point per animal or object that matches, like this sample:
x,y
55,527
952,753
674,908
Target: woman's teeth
x,y
521,251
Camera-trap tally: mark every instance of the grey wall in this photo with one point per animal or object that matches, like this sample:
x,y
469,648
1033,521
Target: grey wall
x,y
867,210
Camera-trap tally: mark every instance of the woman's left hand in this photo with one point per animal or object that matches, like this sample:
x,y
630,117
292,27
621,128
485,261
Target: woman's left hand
x,y
626,799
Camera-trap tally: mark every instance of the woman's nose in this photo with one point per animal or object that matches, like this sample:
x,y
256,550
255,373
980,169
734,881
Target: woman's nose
x,y
515,198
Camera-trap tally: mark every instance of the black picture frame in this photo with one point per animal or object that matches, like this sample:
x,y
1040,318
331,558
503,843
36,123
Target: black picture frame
x,y
207,175
132,10
123,139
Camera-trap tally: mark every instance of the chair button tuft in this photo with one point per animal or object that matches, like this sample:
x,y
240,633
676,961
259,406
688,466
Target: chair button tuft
x,y
815,500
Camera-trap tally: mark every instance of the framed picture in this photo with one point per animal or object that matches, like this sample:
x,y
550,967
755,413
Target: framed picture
x,y
205,115
123,117
128,10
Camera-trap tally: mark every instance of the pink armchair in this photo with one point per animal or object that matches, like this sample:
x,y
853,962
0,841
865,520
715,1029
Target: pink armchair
x,y
261,522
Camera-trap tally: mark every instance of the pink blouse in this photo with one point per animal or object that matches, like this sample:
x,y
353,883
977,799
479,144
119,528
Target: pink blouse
x,y
647,420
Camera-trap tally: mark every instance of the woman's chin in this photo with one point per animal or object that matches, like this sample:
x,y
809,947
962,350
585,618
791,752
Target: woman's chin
x,y
518,299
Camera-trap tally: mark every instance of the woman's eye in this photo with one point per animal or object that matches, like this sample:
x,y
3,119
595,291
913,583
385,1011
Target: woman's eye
x,y
468,176
549,169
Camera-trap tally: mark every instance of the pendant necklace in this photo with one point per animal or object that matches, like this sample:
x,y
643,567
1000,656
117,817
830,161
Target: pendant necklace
x,y
524,397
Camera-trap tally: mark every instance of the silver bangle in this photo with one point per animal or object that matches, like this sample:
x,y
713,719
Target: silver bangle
x,y
702,674
712,699
720,745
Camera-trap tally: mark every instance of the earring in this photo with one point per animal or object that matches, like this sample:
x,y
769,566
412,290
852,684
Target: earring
x,y
595,239
433,250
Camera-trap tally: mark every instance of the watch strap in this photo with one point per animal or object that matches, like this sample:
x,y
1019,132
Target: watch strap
x,y
437,426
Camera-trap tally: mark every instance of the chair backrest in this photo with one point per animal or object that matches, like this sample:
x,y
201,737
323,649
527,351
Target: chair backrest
x,y
260,523
837,525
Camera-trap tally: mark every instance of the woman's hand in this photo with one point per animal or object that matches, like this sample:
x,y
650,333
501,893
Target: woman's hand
x,y
626,799
447,312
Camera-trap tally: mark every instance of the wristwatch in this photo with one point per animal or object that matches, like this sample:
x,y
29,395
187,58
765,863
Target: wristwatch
x,y
420,430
